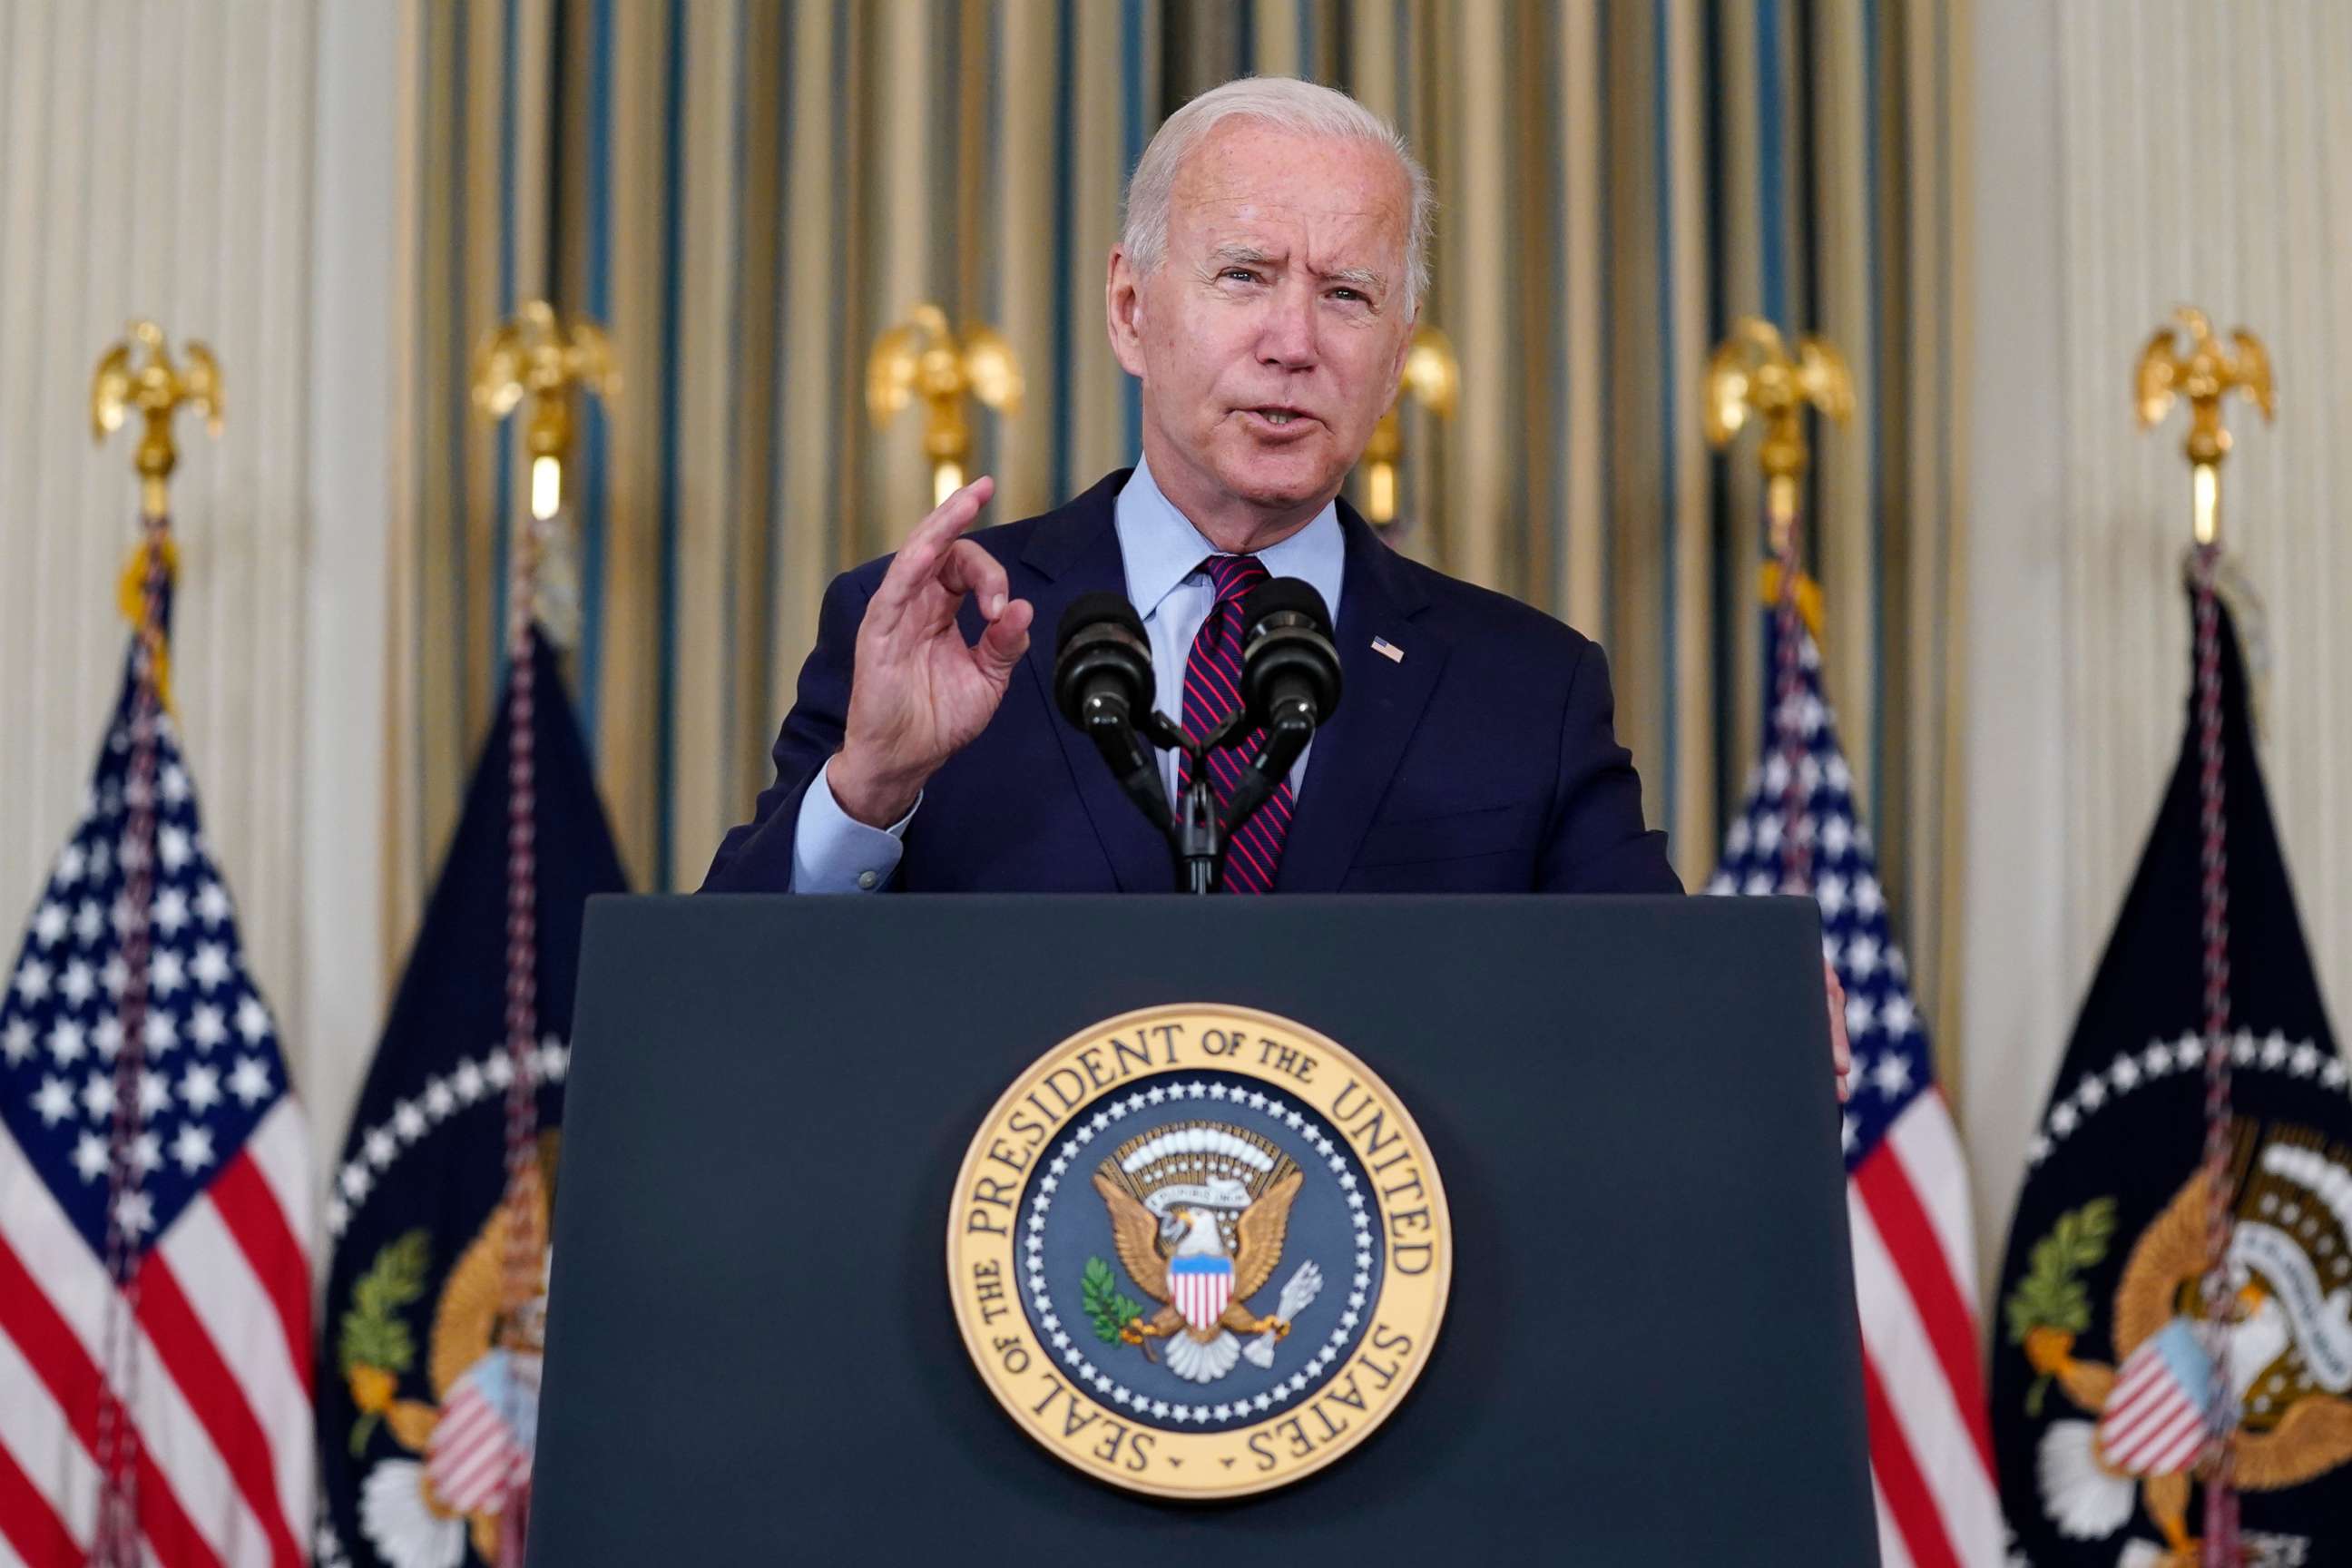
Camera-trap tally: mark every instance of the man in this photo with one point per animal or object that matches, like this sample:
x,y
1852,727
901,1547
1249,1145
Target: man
x,y
1264,290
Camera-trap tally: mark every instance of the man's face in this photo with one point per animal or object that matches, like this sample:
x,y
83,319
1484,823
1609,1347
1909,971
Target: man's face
x,y
1270,337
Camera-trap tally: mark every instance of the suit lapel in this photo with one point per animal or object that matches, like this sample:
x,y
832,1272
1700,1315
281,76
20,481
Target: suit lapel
x,y
1075,551
1381,702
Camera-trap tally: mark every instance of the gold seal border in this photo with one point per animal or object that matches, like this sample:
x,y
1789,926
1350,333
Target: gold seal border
x,y
974,1333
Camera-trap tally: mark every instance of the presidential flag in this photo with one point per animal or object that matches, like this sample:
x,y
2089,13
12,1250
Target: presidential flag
x,y
2104,1377
428,1406
155,1212
1906,1185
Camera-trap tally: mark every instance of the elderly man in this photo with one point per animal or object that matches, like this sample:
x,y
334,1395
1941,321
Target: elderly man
x,y
1264,291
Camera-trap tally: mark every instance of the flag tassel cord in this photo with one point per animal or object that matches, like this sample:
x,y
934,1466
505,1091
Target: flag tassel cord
x,y
2221,1538
137,375
522,1252
116,1540
1787,702
2203,372
541,356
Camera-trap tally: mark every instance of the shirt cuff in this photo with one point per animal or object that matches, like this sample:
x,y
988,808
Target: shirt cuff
x,y
833,852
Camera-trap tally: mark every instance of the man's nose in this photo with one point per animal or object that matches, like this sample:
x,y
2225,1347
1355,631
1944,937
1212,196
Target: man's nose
x,y
1287,338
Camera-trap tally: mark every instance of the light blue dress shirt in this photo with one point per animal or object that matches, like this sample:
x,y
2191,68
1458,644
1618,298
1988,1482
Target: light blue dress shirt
x,y
835,853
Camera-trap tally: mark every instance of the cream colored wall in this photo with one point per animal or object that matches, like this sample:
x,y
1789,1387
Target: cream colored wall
x,y
2131,155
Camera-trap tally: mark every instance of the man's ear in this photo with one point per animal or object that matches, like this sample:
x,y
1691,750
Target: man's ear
x,y
1123,312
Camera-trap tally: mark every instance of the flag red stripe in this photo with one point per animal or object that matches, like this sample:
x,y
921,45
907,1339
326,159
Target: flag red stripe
x,y
1899,1482
2129,1406
2181,1445
468,1475
2167,1445
251,1211
2151,1426
1910,1239
49,1347
2141,1377
28,1525
2151,1405
217,1399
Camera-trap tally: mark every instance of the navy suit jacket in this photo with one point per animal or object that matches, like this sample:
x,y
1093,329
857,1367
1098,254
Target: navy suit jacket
x,y
1482,762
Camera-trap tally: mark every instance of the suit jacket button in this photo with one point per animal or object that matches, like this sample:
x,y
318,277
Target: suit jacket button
x,y
866,879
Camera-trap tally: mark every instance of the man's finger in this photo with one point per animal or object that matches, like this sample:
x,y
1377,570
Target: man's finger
x,y
969,569
950,518
1006,639
917,562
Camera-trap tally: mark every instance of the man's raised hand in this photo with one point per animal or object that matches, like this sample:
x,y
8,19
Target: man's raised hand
x,y
920,693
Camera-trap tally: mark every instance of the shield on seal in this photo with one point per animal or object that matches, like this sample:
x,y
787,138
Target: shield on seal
x,y
2154,1422
1200,1288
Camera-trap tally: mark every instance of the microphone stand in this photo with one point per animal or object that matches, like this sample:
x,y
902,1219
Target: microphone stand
x,y
1195,838
1100,680
1197,832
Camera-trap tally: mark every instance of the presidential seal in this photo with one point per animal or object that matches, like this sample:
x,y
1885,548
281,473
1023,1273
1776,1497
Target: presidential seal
x,y
1198,1251
2109,1360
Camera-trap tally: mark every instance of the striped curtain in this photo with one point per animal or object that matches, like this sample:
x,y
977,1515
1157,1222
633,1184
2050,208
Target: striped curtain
x,y
746,193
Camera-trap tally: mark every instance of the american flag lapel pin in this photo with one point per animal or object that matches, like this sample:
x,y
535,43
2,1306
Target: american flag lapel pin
x,y
1388,651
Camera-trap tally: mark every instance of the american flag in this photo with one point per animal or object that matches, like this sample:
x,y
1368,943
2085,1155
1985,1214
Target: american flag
x,y
1906,1184
208,1351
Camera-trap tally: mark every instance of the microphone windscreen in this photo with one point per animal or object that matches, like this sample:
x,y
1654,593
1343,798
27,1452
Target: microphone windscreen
x,y
1277,595
1091,609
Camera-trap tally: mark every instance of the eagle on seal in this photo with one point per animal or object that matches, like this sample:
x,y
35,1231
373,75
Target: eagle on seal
x,y
2088,1469
1189,1240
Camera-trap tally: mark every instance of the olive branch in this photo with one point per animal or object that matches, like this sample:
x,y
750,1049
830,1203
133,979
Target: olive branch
x,y
2051,1295
1106,1307
374,1339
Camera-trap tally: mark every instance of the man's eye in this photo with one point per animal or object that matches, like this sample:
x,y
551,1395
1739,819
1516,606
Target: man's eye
x,y
1350,295
1244,273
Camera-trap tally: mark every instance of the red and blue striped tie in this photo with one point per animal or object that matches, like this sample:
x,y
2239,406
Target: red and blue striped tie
x,y
1212,681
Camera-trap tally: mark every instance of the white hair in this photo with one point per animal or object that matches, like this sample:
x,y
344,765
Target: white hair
x,y
1286,103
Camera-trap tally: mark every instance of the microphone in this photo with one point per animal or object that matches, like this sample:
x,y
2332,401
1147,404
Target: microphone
x,y
1290,682
1102,682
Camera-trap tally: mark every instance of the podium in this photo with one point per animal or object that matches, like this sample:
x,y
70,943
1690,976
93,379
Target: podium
x,y
1649,1351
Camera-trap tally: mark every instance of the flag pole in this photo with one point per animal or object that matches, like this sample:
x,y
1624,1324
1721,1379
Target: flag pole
x,y
542,356
2205,372
137,375
1752,375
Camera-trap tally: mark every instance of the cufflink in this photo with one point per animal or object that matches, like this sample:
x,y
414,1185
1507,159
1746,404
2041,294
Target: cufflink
x,y
866,879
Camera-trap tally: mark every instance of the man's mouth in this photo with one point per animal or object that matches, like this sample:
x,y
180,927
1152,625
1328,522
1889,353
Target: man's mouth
x,y
1279,416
